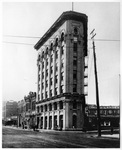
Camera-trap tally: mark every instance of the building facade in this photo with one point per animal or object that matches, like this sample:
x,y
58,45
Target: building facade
x,y
62,50
27,111
10,112
110,116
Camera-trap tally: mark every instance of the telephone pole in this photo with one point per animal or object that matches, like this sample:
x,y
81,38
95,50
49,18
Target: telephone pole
x,y
72,6
96,83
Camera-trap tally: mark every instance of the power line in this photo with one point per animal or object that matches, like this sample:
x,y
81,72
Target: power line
x,y
21,36
17,43
54,38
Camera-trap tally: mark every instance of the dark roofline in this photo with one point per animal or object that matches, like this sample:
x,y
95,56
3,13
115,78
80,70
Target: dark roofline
x,y
68,15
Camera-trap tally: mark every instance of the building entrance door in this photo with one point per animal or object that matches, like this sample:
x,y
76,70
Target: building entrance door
x,y
55,122
61,121
50,122
74,121
37,122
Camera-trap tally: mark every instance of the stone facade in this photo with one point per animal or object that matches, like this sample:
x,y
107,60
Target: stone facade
x,y
61,61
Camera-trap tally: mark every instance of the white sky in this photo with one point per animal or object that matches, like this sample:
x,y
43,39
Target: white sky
x,y
19,70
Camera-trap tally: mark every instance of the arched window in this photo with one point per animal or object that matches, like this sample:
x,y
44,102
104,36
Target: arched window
x,y
62,37
56,42
46,51
51,46
75,31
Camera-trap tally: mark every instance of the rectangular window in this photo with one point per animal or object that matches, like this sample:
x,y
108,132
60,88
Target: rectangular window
x,y
46,72
62,76
47,62
56,67
51,70
62,50
42,64
74,75
42,85
51,81
46,83
42,75
39,67
51,93
39,87
74,62
74,87
51,58
62,65
46,95
39,77
56,91
56,55
61,89
56,79
42,95
75,47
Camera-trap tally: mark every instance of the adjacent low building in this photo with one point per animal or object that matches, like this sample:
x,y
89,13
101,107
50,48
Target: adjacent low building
x,y
110,116
27,111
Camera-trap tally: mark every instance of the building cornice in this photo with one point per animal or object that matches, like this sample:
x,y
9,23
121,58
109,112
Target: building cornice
x,y
68,15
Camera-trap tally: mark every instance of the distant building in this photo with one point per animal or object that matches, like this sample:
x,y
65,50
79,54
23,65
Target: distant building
x,y
62,50
10,111
110,116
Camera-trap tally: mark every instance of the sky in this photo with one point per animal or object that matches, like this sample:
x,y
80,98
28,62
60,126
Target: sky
x,y
33,19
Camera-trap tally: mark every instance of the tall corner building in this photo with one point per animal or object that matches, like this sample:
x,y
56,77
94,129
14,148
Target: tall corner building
x,y
61,61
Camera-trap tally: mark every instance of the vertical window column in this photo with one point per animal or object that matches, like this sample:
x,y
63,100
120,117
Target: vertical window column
x,y
58,114
53,72
52,116
59,69
44,76
40,82
49,76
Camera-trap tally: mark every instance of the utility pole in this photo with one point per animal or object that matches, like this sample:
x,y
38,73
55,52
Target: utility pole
x,y
72,6
96,83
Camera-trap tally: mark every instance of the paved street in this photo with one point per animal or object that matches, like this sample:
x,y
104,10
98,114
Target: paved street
x,y
18,138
